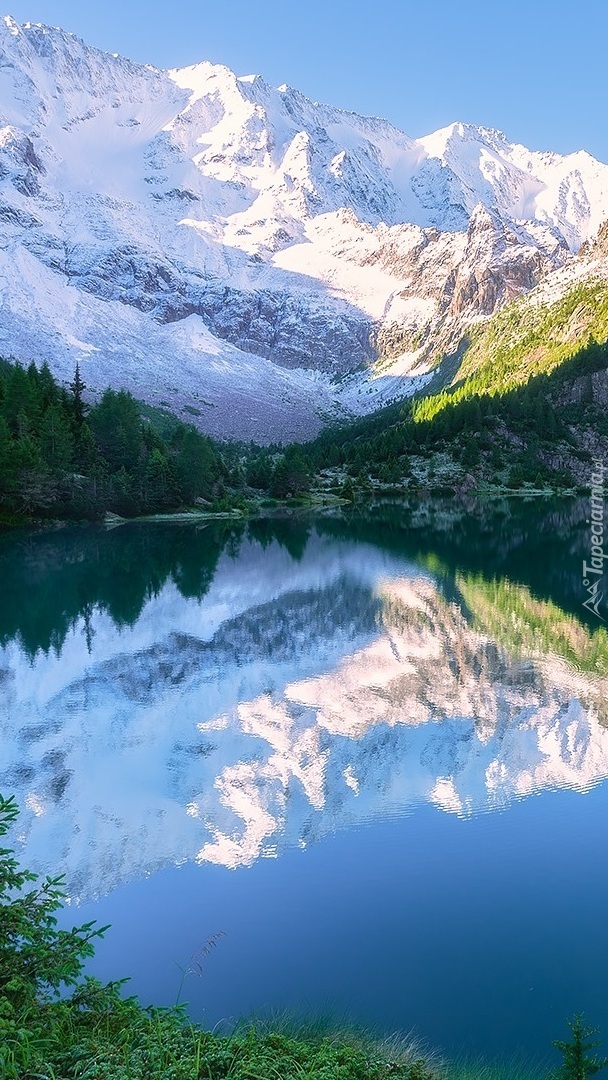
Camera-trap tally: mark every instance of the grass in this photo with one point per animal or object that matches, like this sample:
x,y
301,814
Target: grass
x,y
324,1027
58,1024
98,1035
522,341
516,1068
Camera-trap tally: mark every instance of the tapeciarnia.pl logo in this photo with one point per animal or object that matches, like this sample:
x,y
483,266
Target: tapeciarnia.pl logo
x,y
593,571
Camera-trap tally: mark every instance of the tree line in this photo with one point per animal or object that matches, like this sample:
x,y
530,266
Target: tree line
x,y
521,431
61,457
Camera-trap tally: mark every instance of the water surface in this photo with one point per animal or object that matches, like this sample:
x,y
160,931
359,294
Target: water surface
x,y
371,750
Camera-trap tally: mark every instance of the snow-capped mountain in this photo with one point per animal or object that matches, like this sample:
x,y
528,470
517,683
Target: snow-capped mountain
x,y
239,251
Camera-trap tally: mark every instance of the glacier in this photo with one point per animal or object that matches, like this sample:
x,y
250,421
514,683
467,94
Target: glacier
x,y
249,258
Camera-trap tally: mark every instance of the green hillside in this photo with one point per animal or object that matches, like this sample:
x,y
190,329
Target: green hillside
x,y
526,407
522,341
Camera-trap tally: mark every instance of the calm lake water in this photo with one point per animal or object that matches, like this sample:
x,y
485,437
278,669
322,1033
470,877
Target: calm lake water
x,y
371,751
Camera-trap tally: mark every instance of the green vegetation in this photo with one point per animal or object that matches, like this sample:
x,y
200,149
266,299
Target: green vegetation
x,y
511,615
523,408
60,458
526,410
524,340
60,578
82,572
511,1069
578,1062
57,1024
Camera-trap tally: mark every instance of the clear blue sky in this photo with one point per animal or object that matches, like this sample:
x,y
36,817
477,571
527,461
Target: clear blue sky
x,y
534,68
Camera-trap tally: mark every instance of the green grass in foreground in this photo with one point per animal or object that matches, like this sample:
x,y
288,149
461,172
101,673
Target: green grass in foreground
x,y
479,1069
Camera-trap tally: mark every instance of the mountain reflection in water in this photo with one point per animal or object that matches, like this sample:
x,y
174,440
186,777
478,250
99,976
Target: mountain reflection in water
x,y
175,694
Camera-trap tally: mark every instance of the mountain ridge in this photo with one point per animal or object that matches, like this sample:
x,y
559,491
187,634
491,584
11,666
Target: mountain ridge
x,y
206,240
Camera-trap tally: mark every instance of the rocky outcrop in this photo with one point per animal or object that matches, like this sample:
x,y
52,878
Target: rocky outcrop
x,y
19,162
499,263
598,246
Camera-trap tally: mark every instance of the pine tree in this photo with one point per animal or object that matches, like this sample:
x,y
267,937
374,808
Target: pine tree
x,y
159,482
116,425
8,465
56,444
47,387
578,1064
86,454
79,408
19,405
298,476
196,465
279,485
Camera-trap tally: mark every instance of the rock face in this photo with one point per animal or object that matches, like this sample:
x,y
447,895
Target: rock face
x,y
599,246
499,263
204,239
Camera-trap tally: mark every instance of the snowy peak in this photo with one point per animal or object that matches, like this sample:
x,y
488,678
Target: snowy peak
x,y
567,192
293,698
246,129
315,159
263,242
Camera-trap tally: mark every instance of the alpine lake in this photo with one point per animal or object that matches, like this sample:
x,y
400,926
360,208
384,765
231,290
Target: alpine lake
x,y
352,763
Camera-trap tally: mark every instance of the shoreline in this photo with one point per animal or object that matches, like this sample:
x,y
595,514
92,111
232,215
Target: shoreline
x,y
325,501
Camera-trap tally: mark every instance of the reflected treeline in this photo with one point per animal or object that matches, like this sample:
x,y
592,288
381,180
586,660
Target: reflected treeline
x,y
522,625
539,545
52,579
291,533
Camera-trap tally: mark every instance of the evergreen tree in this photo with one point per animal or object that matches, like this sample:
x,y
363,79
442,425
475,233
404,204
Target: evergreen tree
x,y
196,465
578,1063
258,473
279,484
298,475
470,454
47,387
159,482
122,498
86,455
79,408
8,464
56,443
19,405
116,425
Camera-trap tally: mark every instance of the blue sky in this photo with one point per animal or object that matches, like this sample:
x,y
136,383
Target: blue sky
x,y
533,68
